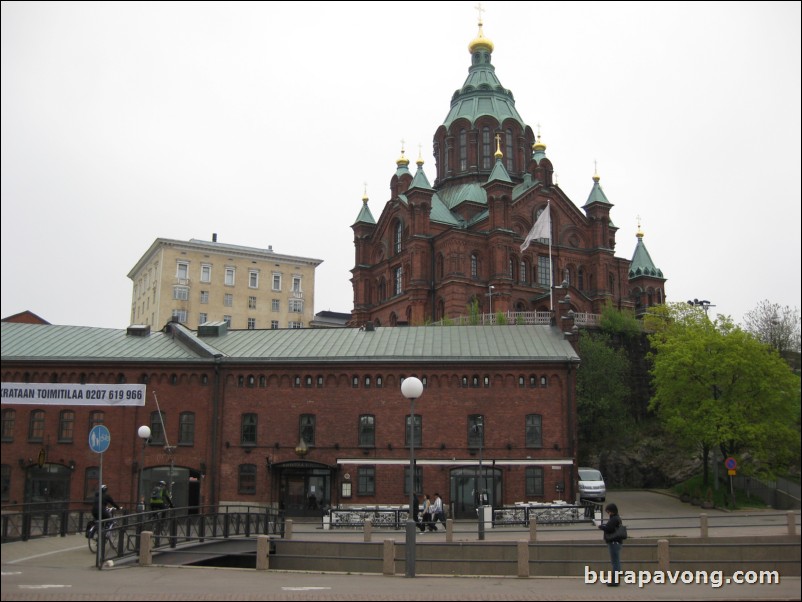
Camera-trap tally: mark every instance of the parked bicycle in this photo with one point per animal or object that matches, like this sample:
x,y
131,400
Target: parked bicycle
x,y
110,531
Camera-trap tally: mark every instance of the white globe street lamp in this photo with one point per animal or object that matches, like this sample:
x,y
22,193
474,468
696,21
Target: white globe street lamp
x,y
144,434
411,388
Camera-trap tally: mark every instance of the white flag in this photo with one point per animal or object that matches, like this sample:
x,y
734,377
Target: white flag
x,y
541,229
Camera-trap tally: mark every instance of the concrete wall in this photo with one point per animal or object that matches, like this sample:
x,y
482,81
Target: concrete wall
x,y
780,553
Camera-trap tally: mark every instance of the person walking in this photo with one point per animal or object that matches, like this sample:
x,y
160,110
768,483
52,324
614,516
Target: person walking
x,y
614,542
426,515
438,514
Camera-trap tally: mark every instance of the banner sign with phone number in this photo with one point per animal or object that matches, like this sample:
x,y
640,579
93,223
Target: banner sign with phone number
x,y
73,394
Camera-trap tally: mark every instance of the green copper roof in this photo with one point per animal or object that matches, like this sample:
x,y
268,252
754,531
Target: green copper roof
x,y
365,216
499,173
441,214
482,94
460,344
423,343
642,264
420,181
597,194
453,195
51,342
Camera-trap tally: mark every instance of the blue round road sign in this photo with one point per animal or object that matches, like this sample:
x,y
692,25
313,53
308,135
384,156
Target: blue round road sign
x,y
99,439
730,463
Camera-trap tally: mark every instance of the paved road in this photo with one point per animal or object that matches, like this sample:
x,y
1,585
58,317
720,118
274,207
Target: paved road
x,y
61,568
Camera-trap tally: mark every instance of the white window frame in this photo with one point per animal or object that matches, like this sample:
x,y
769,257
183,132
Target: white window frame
x,y
297,306
203,318
253,279
206,272
296,284
230,276
182,270
228,300
276,285
181,293
251,323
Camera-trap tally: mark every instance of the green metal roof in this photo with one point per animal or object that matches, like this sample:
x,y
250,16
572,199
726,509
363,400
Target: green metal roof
x,y
365,216
51,342
424,343
597,195
441,214
499,173
642,264
482,94
420,181
449,343
453,195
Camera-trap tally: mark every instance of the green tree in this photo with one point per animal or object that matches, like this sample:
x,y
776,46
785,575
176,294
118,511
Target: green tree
x,y
716,385
602,389
774,325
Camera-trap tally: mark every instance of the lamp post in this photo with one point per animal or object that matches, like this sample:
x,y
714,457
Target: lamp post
x,y
704,304
490,288
144,434
478,428
411,388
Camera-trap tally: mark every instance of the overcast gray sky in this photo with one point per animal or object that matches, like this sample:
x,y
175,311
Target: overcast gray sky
x,y
125,122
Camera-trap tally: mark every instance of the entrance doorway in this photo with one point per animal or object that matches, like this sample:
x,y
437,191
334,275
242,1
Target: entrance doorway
x,y
466,483
304,489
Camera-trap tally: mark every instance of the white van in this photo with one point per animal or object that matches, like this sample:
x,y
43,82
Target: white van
x,y
591,485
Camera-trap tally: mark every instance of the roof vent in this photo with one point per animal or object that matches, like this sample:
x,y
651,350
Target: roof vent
x,y
368,326
138,330
212,329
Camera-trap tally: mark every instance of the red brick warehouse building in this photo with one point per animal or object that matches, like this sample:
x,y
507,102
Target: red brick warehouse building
x,y
297,419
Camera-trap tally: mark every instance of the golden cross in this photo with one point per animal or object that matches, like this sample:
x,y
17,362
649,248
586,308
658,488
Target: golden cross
x,y
480,10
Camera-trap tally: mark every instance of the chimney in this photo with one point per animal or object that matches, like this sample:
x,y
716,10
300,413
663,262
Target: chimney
x,y
214,236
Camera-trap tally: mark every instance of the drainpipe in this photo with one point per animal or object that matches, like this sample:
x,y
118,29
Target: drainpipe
x,y
214,468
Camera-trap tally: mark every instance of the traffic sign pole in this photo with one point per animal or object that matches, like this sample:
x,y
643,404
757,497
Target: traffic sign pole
x,y
99,441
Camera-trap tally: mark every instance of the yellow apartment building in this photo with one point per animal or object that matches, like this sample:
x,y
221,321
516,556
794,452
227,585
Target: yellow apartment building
x,y
199,281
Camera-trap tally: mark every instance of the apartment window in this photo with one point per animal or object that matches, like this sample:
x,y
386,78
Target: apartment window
x,y
534,481
248,436
247,479
227,320
366,480
543,269
36,426
156,428
182,270
418,430
9,421
296,284
367,430
66,426
418,479
251,323
534,430
275,305
180,315
296,325
274,324
253,279
307,428
296,306
204,297
229,277
228,300
276,282
186,428
476,431
206,273
251,302
180,293
203,318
